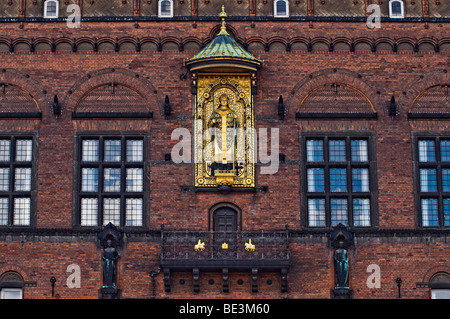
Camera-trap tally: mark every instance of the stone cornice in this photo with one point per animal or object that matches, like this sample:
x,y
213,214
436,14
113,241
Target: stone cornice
x,y
295,236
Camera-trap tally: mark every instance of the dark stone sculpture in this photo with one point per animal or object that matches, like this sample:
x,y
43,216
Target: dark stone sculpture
x,y
341,258
110,255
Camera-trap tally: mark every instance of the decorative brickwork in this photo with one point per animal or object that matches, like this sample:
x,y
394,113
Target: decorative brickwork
x,y
129,66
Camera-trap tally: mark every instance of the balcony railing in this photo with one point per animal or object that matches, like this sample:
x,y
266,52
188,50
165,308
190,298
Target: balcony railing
x,y
225,246
217,251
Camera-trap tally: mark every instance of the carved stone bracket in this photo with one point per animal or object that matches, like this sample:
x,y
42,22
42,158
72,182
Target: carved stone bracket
x,y
109,293
284,282
225,270
341,233
110,232
225,279
254,279
166,279
341,293
196,276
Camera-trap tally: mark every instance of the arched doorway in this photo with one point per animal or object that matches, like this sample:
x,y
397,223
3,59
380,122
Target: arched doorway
x,y
225,226
225,219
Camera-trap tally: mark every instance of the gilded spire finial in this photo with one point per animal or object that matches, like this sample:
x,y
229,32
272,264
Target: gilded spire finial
x,y
223,15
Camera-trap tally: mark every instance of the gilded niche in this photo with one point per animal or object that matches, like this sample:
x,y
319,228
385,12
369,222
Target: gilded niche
x,y
223,86
224,131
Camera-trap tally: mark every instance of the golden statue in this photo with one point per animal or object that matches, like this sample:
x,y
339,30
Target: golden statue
x,y
249,246
200,246
225,121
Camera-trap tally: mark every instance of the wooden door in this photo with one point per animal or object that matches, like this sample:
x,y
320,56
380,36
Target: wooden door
x,y
225,231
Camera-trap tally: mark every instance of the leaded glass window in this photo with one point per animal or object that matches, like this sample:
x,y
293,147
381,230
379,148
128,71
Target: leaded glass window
x,y
432,161
112,180
17,180
339,185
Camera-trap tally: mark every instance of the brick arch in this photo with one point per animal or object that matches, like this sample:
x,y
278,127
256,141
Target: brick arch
x,y
126,39
191,39
416,88
170,39
299,39
435,270
341,40
328,76
220,205
25,82
319,39
13,269
23,40
427,40
106,40
124,77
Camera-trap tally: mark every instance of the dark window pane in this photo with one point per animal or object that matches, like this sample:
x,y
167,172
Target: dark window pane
x,y
4,179
445,151
281,8
51,8
89,180
339,211
24,150
314,150
134,209
89,211
428,182
446,211
22,211
89,151
4,210
316,212
22,179
111,211
338,180
135,151
112,151
336,150
426,151
359,151
316,182
396,8
361,212
5,150
135,180
165,8
360,179
446,180
111,180
429,208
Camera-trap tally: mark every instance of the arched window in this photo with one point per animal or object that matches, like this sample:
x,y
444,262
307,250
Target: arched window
x,y
51,8
11,285
396,9
440,286
281,8
165,9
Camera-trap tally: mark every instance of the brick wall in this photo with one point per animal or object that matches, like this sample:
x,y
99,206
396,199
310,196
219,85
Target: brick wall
x,y
293,74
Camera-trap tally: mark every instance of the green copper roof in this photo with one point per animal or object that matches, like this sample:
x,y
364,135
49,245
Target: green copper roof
x,y
224,48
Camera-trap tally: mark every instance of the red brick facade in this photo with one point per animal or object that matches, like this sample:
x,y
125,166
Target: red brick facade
x,y
396,242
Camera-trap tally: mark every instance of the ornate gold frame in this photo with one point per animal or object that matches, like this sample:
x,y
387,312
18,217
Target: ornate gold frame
x,y
237,87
